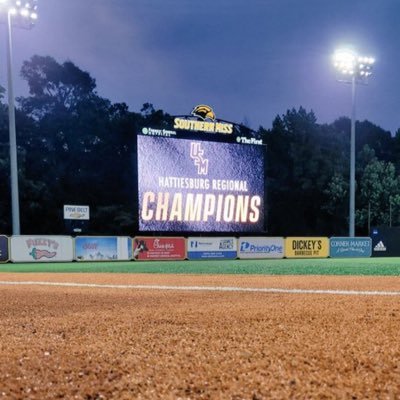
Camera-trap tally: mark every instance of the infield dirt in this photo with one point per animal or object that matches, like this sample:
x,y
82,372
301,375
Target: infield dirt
x,y
109,343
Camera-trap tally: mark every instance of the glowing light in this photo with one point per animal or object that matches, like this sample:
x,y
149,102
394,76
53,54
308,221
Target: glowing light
x,y
347,62
24,12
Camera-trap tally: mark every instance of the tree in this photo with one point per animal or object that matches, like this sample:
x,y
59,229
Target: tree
x,y
5,190
75,147
302,157
80,148
336,192
54,87
379,195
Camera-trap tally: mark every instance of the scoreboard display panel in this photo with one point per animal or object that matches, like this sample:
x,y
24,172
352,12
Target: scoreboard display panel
x,y
193,185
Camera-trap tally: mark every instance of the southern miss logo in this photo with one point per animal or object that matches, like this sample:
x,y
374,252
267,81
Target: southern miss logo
x,y
204,112
206,122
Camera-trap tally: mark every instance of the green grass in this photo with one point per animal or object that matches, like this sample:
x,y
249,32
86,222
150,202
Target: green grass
x,y
330,266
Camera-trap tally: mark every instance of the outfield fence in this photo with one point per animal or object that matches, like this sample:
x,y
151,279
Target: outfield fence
x,y
53,248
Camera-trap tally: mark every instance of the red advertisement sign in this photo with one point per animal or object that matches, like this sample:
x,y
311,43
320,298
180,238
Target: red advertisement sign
x,y
159,248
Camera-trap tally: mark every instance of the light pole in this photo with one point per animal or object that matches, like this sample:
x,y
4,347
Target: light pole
x,y
21,14
354,70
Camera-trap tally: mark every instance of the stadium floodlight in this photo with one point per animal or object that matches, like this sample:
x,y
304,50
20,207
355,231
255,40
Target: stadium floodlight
x,y
22,14
353,69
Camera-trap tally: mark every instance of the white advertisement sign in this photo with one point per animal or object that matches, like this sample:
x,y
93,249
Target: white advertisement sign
x,y
211,247
26,248
261,247
76,212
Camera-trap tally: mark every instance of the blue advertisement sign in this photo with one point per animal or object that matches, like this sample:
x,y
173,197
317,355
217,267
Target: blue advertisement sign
x,y
211,248
99,248
4,254
350,247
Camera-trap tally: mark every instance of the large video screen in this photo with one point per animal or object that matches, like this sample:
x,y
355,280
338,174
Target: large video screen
x,y
198,186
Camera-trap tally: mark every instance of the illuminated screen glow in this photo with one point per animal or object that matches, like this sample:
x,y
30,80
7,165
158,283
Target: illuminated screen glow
x,y
198,186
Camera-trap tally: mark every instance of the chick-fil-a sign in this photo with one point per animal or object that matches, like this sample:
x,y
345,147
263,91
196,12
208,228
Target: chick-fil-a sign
x,y
159,248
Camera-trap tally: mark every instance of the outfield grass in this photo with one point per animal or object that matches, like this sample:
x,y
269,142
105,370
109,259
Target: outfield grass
x,y
330,266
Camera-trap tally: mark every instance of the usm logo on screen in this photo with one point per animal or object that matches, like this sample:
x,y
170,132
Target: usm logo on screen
x,y
197,155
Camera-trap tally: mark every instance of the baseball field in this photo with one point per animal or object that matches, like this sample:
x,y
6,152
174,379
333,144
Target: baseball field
x,y
264,329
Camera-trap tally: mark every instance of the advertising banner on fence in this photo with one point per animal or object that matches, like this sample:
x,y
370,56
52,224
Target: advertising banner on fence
x,y
76,212
350,247
261,247
385,241
159,248
306,247
211,248
26,248
103,248
4,253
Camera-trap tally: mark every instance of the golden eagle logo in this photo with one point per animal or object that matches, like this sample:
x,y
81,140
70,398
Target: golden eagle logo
x,y
204,112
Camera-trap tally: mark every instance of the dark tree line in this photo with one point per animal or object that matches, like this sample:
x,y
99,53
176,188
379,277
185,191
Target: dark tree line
x,y
75,147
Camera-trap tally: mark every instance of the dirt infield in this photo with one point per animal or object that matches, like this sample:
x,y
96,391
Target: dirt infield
x,y
113,343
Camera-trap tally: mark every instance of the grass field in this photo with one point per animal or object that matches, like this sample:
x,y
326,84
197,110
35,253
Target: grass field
x,y
330,266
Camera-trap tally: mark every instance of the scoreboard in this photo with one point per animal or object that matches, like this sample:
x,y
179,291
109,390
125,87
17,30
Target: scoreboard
x,y
198,180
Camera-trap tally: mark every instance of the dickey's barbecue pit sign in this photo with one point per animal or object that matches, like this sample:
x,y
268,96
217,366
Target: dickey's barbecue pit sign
x,y
306,247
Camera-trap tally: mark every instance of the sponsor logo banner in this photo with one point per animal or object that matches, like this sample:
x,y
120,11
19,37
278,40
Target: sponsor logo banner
x,y
159,248
26,248
350,247
4,253
380,246
261,247
76,212
385,241
246,140
103,248
211,248
306,247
